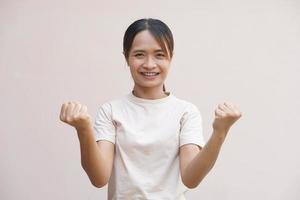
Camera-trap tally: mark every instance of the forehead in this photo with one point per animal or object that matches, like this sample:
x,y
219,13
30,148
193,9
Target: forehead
x,y
144,40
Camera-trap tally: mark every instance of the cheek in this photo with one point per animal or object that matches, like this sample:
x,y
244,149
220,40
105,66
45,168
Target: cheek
x,y
134,63
134,66
165,65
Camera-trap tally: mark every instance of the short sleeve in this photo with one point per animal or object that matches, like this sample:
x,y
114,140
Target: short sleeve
x,y
104,128
191,127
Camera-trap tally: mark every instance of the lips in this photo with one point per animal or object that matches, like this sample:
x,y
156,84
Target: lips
x,y
149,73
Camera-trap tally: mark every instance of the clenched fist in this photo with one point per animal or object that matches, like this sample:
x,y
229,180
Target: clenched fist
x,y
225,115
76,115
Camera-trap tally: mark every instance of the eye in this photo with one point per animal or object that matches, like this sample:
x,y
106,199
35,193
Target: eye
x,y
160,55
138,55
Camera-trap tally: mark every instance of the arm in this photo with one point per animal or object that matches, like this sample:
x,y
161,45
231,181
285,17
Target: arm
x,y
195,163
96,158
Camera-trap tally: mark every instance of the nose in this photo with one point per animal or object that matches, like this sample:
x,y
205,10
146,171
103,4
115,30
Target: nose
x,y
149,63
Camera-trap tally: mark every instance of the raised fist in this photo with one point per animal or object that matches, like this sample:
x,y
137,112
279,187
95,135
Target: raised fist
x,y
225,115
76,115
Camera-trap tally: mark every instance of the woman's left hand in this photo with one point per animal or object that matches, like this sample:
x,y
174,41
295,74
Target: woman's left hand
x,y
225,116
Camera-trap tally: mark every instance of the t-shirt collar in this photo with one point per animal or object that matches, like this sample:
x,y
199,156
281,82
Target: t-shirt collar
x,y
136,99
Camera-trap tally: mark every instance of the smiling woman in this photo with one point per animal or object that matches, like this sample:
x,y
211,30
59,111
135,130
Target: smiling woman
x,y
149,65
149,143
148,49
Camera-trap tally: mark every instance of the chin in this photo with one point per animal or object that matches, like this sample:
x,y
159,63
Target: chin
x,y
149,85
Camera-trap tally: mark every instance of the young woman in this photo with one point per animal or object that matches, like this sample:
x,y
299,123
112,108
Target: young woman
x,y
148,144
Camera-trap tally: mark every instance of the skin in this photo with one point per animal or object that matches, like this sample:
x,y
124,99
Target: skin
x,y
146,55
195,162
96,157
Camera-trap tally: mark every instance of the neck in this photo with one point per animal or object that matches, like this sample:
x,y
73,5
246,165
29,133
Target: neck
x,y
149,93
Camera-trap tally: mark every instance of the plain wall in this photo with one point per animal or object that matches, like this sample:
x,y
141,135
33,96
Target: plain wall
x,y
246,52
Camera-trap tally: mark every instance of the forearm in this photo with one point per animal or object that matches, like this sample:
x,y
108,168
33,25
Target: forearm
x,y
92,160
203,162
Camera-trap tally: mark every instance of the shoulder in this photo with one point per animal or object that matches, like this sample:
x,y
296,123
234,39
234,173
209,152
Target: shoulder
x,y
109,105
188,106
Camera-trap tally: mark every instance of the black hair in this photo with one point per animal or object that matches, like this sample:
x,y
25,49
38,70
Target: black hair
x,y
157,28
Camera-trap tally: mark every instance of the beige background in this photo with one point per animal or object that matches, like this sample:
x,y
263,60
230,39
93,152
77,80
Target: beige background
x,y
246,52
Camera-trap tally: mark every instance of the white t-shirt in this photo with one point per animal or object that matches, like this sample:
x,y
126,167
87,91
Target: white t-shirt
x,y
147,135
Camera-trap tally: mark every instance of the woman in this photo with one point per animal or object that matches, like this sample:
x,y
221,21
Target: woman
x,y
148,142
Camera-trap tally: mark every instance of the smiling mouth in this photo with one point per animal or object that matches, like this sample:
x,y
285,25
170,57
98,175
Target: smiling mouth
x,y
149,73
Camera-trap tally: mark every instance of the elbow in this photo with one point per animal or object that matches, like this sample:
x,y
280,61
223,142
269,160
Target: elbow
x,y
99,181
98,184
192,181
191,186
96,180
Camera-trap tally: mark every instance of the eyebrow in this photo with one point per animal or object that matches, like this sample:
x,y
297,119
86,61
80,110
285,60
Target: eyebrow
x,y
140,50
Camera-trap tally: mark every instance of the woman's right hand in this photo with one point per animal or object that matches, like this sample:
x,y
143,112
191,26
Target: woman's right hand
x,y
76,115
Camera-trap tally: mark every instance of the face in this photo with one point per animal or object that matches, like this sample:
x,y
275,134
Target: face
x,y
149,65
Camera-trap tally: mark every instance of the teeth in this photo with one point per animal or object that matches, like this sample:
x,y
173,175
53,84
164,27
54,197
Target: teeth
x,y
149,73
